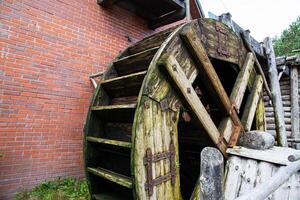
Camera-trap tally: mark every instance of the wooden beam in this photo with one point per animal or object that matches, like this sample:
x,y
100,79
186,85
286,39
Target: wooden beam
x,y
209,75
226,126
294,79
175,72
260,115
276,155
211,174
276,94
251,104
246,38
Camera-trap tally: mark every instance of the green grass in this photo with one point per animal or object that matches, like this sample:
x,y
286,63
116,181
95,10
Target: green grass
x,y
60,189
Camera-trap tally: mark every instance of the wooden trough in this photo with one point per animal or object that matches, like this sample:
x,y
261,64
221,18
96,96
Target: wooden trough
x,y
163,100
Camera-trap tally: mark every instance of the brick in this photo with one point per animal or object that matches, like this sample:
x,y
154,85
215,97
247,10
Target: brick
x,y
44,88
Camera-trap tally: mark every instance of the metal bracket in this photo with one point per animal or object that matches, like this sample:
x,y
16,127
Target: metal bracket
x,y
149,159
223,52
221,30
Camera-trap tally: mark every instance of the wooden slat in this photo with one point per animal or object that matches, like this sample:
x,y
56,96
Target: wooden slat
x,y
110,142
281,158
210,77
191,98
116,113
128,85
112,176
226,126
114,107
241,82
135,63
251,104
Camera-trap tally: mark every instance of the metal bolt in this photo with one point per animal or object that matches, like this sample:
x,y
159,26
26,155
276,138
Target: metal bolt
x,y
236,167
147,106
248,180
174,67
188,90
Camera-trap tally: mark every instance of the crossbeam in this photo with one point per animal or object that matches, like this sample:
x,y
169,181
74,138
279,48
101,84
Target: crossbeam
x,y
175,72
210,78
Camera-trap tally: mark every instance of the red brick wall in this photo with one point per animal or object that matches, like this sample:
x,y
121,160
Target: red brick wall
x,y
48,49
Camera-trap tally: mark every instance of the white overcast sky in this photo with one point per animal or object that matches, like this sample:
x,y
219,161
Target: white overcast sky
x,y
262,17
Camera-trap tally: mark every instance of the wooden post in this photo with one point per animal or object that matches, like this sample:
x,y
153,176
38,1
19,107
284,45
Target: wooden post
x,y
294,102
276,94
263,190
211,174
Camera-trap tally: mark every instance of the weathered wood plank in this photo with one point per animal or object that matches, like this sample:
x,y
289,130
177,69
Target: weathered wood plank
x,y
260,115
276,94
263,190
191,98
251,104
282,154
110,142
112,176
233,177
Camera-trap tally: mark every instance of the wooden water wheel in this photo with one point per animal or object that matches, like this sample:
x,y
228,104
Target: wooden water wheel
x,y
163,100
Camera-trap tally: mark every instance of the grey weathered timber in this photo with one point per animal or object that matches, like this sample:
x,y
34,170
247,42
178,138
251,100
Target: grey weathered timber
x,y
246,38
251,104
211,174
267,155
294,80
257,140
263,190
276,94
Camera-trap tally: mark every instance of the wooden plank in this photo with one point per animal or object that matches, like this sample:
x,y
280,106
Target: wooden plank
x,y
276,94
175,72
241,82
134,63
226,126
263,190
277,155
248,177
211,174
128,85
110,142
111,176
209,76
251,104
260,115
233,178
294,102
